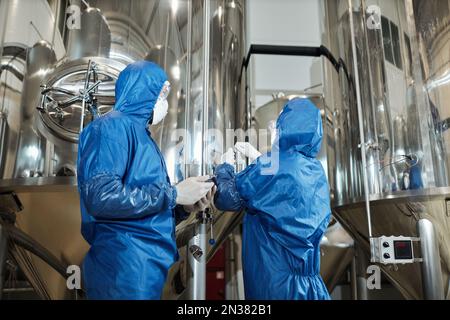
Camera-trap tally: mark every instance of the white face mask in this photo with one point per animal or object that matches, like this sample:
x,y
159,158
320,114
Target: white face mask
x,y
160,111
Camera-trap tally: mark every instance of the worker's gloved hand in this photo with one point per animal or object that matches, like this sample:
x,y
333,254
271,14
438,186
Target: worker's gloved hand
x,y
228,157
193,189
247,150
203,203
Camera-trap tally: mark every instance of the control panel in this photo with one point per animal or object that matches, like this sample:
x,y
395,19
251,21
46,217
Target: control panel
x,y
392,250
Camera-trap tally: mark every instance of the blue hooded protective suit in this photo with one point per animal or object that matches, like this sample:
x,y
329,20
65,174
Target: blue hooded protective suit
x,y
287,210
126,197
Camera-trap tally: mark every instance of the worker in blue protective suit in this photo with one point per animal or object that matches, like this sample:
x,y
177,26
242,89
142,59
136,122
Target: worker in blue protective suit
x,y
287,209
128,205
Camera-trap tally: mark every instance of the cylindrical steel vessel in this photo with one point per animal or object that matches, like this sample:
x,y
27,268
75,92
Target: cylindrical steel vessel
x,y
397,54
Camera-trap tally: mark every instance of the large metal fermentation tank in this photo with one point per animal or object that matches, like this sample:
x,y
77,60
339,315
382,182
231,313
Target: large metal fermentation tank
x,y
213,129
390,126
48,71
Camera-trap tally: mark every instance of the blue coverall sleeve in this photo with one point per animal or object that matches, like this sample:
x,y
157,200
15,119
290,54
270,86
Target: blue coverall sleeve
x,y
104,162
227,197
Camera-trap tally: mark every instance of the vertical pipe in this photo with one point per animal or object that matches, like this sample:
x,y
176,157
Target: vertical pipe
x,y
197,281
230,270
360,118
206,52
58,17
3,21
361,264
234,282
432,284
3,249
3,124
197,265
3,117
83,102
240,289
353,280
188,142
423,107
48,160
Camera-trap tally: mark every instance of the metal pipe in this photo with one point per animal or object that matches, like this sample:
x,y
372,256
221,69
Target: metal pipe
x,y
3,125
58,17
299,51
83,102
360,119
361,264
230,269
188,83
3,251
197,279
8,66
432,284
197,264
3,18
206,52
282,50
234,283
353,281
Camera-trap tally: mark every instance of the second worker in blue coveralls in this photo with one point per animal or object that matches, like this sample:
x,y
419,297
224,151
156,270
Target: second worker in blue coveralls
x,y
127,201
287,211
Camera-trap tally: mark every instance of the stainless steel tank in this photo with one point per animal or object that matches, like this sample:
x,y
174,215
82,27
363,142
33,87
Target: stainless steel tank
x,y
43,110
389,127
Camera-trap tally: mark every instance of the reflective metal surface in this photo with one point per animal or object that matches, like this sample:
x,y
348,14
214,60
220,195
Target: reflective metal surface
x,y
399,139
431,264
30,161
210,126
38,148
398,143
62,119
399,216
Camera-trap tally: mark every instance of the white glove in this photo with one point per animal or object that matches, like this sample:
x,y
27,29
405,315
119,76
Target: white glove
x,y
193,189
203,203
247,150
228,157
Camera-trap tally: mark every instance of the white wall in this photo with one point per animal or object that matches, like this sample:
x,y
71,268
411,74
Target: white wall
x,y
283,22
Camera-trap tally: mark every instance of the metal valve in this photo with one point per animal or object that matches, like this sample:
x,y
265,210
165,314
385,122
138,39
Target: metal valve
x,y
207,217
196,252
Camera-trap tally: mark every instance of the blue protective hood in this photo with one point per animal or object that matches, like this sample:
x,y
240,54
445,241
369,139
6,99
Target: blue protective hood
x,y
127,201
287,210
138,88
300,127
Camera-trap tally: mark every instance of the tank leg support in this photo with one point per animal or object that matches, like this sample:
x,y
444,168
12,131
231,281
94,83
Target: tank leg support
x,y
433,288
361,263
3,254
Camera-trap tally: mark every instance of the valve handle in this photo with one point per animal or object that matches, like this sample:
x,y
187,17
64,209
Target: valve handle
x,y
212,241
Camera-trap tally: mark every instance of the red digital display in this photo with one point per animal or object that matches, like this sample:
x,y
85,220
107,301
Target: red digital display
x,y
403,249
